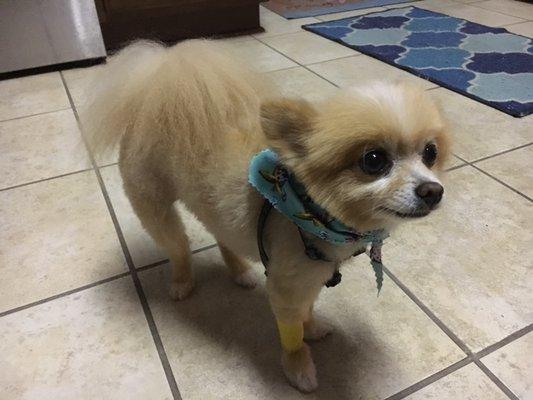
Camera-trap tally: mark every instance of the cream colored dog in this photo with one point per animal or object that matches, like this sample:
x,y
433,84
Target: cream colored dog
x,y
188,120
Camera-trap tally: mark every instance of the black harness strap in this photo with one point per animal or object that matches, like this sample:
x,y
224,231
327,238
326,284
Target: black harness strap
x,y
265,210
310,250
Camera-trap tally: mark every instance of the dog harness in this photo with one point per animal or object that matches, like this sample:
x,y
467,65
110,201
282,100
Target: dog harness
x,y
283,192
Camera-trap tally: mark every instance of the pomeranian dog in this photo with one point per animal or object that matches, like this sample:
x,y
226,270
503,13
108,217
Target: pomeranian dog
x,y
190,118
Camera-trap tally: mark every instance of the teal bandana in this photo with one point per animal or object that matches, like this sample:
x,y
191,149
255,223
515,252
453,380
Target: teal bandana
x,y
276,184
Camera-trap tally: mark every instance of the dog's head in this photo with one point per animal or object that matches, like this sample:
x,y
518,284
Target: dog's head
x,y
369,156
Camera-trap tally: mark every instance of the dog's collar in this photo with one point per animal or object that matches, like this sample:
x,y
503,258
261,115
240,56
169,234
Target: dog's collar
x,y
282,191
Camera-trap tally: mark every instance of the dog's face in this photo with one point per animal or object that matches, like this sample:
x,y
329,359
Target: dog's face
x,y
369,156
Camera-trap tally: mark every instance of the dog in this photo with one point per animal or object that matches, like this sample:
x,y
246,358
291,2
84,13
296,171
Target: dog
x,y
188,121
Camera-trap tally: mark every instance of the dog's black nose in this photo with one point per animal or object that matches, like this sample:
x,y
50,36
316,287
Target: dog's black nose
x,y
430,193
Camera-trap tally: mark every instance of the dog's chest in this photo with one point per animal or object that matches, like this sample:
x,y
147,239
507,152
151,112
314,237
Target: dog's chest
x,y
339,253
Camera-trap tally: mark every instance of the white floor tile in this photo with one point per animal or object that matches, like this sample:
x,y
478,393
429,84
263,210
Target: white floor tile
x,y
30,95
468,261
513,364
94,344
467,383
299,82
39,147
307,48
362,69
56,235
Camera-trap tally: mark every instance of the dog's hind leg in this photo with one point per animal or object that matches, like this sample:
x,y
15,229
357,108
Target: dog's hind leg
x,y
240,269
155,208
315,329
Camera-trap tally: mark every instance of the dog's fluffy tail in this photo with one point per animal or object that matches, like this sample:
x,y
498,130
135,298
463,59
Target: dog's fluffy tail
x,y
115,95
151,91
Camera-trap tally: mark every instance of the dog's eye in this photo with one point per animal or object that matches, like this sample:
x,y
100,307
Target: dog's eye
x,y
430,154
375,162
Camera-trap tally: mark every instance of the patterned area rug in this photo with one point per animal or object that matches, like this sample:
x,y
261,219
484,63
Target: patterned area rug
x,y
487,64
310,8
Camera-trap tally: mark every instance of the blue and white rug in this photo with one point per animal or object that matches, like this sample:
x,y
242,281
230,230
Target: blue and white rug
x,y
487,64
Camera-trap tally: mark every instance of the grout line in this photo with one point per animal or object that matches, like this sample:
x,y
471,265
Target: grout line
x,y
166,260
108,165
152,265
207,247
461,363
375,9
278,70
476,4
261,35
500,153
496,380
300,64
430,379
515,23
335,59
97,283
45,179
455,167
473,4
496,179
429,313
63,294
34,115
305,66
133,273
503,183
504,342
320,76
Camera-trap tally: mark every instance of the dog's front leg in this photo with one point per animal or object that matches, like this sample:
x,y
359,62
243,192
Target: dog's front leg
x,y
291,300
296,359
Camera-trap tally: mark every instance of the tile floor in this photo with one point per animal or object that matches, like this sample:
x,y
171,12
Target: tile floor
x,y
83,307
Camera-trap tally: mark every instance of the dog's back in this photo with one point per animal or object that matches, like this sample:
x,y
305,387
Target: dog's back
x,y
189,95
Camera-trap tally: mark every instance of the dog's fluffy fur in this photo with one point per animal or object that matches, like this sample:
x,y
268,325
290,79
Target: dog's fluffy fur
x,y
188,120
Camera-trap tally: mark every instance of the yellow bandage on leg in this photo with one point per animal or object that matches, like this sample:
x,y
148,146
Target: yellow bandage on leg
x,y
292,336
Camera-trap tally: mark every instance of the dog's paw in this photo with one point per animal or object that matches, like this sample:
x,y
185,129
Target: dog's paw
x,y
246,279
180,290
300,369
316,329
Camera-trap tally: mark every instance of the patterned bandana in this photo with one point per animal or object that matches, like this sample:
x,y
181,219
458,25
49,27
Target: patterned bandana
x,y
276,184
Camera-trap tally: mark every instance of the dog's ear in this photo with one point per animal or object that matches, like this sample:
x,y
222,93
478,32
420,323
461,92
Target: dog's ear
x,y
286,123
